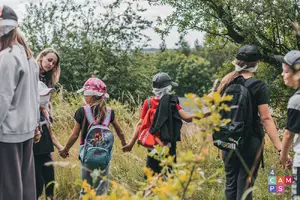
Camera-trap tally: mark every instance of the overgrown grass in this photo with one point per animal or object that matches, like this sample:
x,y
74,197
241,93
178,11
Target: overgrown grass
x,y
127,168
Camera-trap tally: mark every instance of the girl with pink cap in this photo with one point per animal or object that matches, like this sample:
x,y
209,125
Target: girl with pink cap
x,y
95,93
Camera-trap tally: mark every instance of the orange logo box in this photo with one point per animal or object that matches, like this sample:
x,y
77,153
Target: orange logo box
x,y
280,180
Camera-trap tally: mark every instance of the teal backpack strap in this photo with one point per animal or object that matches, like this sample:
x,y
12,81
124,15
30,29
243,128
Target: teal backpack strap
x,y
107,119
89,114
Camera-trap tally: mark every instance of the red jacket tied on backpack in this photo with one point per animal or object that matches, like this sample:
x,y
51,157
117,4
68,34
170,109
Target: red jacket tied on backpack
x,y
145,138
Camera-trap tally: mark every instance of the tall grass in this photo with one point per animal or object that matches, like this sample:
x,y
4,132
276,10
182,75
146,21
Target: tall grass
x,y
127,168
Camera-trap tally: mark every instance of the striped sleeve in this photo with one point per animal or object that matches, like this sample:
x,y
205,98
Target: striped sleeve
x,y
293,122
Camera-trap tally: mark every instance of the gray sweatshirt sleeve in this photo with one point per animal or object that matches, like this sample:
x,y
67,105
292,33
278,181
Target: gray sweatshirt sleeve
x,y
10,73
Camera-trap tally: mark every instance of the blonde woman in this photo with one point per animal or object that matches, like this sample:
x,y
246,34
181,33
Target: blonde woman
x,y
19,110
49,62
291,76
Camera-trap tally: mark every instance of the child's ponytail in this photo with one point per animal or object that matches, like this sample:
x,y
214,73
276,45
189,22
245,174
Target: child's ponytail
x,y
100,105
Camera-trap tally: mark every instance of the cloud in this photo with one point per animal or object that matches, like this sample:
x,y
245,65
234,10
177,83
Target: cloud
x,y
151,14
11,3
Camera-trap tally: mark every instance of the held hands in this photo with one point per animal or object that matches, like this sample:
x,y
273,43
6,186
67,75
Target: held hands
x,y
127,147
286,161
63,153
289,163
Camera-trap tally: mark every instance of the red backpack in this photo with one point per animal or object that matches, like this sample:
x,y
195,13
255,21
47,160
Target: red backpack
x,y
145,138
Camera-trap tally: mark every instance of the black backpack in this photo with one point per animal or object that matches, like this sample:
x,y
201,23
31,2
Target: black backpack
x,y
233,135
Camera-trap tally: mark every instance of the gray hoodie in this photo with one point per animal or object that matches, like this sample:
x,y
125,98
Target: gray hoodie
x,y
19,99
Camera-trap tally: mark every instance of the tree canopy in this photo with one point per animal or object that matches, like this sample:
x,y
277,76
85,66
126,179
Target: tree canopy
x,y
92,37
107,40
263,22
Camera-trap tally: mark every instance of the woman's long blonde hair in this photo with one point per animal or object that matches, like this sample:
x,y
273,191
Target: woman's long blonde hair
x,y
12,37
228,78
54,73
98,103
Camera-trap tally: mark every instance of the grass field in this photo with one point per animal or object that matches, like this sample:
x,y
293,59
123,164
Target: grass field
x,y
127,168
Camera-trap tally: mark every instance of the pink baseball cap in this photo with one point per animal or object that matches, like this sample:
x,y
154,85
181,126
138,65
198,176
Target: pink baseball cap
x,y
94,86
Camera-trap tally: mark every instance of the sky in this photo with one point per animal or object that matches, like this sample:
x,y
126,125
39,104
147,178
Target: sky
x,y
151,14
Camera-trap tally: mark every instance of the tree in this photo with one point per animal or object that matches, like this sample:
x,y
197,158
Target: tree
x,y
130,79
91,37
262,22
183,46
230,24
216,56
192,73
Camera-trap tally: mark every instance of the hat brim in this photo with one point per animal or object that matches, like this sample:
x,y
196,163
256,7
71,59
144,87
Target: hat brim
x,y
174,84
280,59
80,90
93,93
8,22
47,91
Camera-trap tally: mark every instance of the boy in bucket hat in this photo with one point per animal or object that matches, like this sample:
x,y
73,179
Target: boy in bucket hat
x,y
19,113
291,77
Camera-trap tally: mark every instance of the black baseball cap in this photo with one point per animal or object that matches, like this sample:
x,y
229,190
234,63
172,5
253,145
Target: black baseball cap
x,y
162,80
248,53
292,59
8,17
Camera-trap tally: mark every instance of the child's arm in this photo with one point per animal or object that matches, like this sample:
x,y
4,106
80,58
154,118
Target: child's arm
x,y
157,139
287,143
129,146
55,141
186,116
119,131
76,130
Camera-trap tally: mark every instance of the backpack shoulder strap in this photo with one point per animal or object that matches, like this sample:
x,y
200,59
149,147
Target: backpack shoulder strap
x,y
89,114
251,81
107,119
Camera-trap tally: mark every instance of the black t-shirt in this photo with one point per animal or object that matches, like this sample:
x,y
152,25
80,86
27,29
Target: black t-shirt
x,y
259,96
293,118
45,145
79,117
44,77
